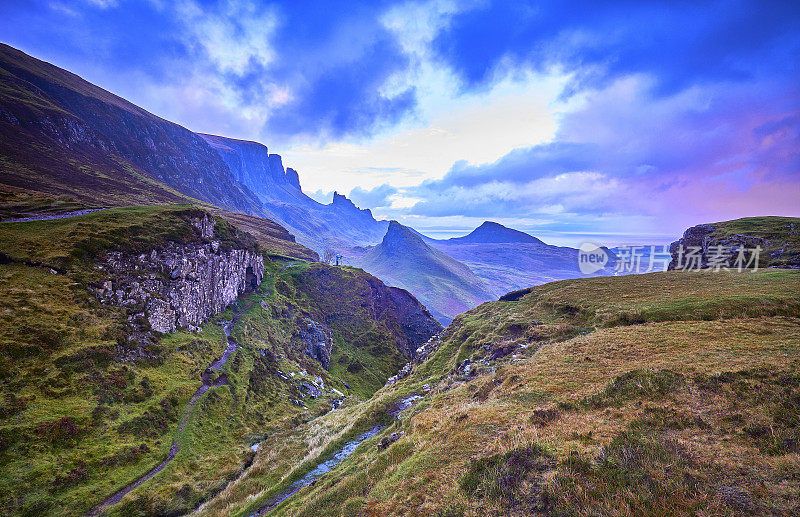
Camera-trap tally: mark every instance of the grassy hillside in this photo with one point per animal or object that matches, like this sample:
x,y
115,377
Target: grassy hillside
x,y
76,424
778,238
62,135
782,235
660,394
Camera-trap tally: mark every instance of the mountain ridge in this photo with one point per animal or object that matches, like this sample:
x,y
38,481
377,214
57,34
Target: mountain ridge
x,y
445,285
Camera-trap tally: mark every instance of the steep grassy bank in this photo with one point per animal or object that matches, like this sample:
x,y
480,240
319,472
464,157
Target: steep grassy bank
x,y
669,393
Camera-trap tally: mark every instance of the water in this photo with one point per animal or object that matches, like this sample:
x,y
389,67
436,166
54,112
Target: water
x,y
326,466
319,470
405,404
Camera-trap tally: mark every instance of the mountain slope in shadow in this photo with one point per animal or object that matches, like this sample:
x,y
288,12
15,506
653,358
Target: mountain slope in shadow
x,y
62,135
338,226
446,286
507,259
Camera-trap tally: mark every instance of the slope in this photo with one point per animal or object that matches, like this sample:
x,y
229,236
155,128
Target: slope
x,y
667,393
507,259
97,411
62,135
338,226
445,285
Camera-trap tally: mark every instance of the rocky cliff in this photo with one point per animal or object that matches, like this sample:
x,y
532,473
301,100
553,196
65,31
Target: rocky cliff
x,y
181,285
253,165
718,244
340,225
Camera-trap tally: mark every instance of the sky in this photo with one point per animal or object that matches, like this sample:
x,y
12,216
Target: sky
x,y
625,121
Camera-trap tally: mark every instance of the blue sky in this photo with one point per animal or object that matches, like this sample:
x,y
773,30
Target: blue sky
x,y
627,120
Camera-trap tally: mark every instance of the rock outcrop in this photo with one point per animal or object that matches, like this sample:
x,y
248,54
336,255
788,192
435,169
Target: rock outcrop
x,y
717,245
181,285
317,340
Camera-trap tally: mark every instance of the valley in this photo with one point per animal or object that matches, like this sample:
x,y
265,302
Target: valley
x,y
187,332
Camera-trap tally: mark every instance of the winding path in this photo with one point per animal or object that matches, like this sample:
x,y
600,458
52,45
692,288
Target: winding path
x,y
47,217
207,383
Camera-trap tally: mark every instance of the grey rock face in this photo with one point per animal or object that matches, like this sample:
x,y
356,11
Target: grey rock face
x,y
318,341
180,285
702,236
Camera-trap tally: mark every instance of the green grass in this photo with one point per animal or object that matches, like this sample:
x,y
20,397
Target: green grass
x,y
664,394
782,235
94,425
66,242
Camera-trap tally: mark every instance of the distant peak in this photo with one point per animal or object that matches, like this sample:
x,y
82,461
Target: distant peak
x,y
400,238
492,232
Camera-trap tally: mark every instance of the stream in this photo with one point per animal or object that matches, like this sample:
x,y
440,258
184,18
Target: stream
x,y
328,465
207,382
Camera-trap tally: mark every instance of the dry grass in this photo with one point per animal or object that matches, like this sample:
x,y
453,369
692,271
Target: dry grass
x,y
610,417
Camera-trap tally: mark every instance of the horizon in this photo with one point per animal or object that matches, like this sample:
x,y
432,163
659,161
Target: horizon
x,y
559,132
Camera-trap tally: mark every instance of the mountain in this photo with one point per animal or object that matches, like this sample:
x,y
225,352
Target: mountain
x,y
338,226
446,286
506,259
62,135
493,233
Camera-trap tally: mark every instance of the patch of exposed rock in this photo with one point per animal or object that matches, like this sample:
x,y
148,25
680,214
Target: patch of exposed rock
x,y
317,340
420,354
715,250
180,285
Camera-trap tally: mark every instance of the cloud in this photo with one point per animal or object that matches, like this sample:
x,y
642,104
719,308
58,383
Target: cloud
x,y
103,4
629,155
236,37
679,44
378,197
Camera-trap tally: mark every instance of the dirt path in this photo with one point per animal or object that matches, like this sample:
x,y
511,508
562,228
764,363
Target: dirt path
x,y
208,381
53,216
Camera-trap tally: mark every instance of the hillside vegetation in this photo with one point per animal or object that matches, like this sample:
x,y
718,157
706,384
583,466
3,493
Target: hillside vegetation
x,y
78,423
660,394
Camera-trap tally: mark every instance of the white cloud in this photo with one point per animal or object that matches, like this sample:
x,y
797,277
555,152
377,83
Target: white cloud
x,y
519,109
103,4
233,37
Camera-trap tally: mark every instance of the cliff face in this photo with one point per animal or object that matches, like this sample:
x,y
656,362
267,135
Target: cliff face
x,y
339,225
181,285
253,165
777,237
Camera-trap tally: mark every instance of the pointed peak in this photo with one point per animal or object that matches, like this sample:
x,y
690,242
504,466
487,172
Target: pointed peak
x,y
492,232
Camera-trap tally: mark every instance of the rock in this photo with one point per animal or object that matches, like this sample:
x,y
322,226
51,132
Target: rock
x,y
386,441
312,390
703,237
181,285
318,341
